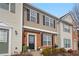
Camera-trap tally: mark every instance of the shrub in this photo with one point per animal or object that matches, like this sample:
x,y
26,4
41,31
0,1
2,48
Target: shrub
x,y
70,51
55,51
62,50
46,51
24,48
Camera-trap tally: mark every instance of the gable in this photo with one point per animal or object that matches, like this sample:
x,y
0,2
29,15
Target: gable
x,y
68,18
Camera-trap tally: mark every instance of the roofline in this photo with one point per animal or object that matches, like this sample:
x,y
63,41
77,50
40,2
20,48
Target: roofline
x,y
69,13
43,11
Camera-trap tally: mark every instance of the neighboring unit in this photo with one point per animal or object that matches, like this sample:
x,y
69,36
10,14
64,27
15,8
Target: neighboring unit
x,y
68,34
10,28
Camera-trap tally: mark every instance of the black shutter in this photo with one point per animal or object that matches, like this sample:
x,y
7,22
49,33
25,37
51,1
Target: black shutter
x,y
41,39
43,20
54,23
52,40
38,18
28,14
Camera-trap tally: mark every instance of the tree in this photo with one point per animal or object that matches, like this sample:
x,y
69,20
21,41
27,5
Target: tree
x,y
75,13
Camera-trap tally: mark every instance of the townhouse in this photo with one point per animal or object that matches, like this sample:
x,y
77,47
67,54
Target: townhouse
x,y
10,28
68,33
39,28
23,24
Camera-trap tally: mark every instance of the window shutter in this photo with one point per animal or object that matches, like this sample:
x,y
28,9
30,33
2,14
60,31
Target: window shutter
x,y
28,14
52,39
38,18
41,39
54,23
43,20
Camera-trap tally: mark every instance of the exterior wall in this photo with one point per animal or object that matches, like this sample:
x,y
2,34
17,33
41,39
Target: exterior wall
x,y
65,35
75,39
14,20
38,39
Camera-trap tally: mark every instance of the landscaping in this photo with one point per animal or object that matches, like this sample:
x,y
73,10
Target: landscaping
x,y
47,52
59,52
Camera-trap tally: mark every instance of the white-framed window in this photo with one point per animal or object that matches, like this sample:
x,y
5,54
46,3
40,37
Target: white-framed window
x,y
47,39
48,21
8,6
66,28
33,16
67,43
3,35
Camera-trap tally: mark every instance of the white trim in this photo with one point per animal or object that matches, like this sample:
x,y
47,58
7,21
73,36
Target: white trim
x,y
40,29
35,40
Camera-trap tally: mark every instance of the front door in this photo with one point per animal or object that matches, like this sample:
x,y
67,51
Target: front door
x,y
31,41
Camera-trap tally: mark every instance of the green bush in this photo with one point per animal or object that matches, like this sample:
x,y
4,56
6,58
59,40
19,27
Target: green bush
x,y
46,51
24,48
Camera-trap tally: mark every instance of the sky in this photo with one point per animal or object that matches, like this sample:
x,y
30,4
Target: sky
x,y
57,9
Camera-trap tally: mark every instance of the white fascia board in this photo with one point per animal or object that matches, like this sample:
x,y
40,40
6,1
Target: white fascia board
x,y
40,29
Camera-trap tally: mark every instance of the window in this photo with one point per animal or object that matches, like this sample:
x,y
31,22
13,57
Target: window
x,y
4,6
51,23
3,35
12,7
33,16
48,21
67,43
66,28
47,39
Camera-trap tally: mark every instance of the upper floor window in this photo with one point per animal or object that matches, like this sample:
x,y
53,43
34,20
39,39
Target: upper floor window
x,y
66,28
67,43
4,6
12,7
49,21
33,16
8,6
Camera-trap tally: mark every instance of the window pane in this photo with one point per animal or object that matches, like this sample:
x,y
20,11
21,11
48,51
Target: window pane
x,y
51,23
49,39
67,43
4,6
46,21
12,7
33,16
44,39
66,28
